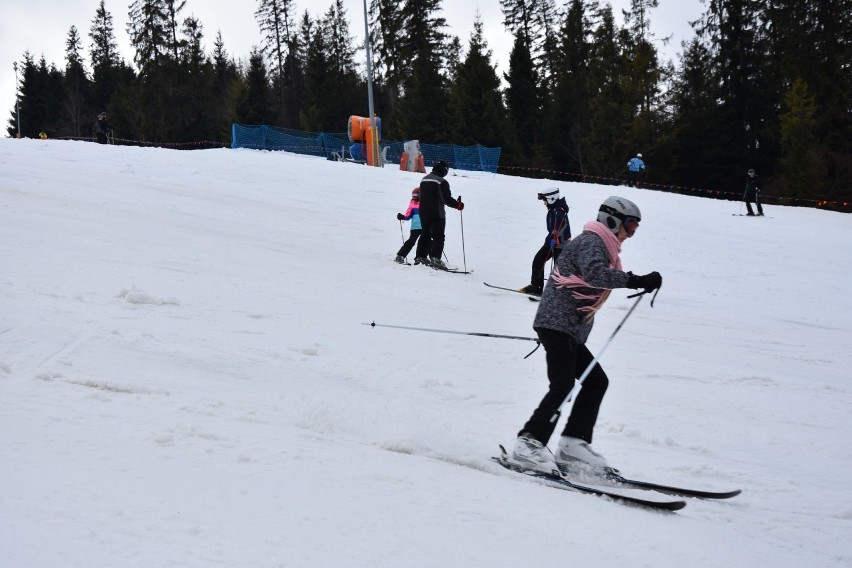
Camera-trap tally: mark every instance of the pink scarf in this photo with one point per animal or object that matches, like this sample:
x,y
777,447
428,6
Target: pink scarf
x,y
599,296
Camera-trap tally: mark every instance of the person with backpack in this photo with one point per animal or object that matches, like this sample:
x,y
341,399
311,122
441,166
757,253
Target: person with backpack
x,y
434,195
588,269
558,235
411,214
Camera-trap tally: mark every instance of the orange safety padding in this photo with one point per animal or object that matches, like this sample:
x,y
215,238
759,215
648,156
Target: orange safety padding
x,y
403,161
421,164
369,143
374,156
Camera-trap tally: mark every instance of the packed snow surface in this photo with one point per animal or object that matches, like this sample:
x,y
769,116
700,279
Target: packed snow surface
x,y
186,377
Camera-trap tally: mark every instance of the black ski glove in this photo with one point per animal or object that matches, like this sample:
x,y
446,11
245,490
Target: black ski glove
x,y
649,282
400,216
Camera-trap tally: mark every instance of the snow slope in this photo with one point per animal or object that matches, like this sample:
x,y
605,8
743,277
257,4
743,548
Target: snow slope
x,y
186,380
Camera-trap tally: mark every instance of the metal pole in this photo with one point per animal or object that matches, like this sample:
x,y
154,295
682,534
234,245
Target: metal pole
x,y
374,142
17,99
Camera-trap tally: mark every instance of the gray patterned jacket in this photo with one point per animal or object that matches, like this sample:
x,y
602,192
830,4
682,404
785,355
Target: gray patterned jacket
x,y
584,256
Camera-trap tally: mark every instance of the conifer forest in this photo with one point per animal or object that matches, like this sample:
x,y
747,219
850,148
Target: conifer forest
x,y
764,84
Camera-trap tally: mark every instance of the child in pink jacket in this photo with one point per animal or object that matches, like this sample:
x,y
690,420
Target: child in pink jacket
x,y
412,214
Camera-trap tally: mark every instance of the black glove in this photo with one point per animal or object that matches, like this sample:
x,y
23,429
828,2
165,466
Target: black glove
x,y
400,217
648,282
461,205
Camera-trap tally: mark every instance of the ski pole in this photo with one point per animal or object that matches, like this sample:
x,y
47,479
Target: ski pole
x,y
401,234
461,218
495,335
594,362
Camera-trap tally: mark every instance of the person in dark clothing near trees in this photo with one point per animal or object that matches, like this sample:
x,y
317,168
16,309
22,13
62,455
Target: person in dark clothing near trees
x,y
558,235
752,193
102,128
434,195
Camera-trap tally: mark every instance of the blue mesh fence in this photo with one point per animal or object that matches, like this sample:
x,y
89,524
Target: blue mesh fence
x,y
335,145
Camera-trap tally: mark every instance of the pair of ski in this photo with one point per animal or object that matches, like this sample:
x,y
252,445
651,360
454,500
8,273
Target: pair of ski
x,y
532,297
559,480
451,269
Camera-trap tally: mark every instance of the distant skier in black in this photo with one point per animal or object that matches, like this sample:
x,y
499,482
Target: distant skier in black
x,y
558,234
752,193
434,194
102,128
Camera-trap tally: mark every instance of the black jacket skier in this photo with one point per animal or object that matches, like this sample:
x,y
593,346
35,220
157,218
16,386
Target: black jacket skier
x,y
752,192
434,195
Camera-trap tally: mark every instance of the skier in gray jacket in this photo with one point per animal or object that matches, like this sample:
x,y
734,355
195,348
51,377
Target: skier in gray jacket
x,y
585,273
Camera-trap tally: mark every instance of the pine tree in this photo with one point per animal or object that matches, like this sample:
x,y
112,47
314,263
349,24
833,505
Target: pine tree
x,y
255,104
733,28
148,34
477,114
800,166
196,121
77,87
226,81
523,102
423,106
41,96
607,144
568,117
108,70
386,23
536,19
693,147
275,18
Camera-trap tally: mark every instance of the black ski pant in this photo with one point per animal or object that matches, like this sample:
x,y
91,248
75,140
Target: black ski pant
x,y
756,202
540,259
409,244
432,238
632,179
566,361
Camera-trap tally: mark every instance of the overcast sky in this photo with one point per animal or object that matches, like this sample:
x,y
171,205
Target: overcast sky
x,y
41,27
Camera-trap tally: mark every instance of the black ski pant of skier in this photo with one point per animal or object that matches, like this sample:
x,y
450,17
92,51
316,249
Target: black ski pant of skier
x,y
432,238
754,196
566,361
409,244
540,259
632,179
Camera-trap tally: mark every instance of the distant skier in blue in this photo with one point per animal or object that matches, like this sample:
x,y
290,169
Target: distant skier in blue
x,y
634,166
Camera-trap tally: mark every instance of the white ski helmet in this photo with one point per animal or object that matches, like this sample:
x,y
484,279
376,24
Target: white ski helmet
x,y
615,210
550,195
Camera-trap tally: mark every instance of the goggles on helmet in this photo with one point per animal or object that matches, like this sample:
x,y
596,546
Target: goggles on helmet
x,y
630,224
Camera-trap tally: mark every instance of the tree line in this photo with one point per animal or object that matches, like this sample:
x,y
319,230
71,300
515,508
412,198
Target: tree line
x,y
764,84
